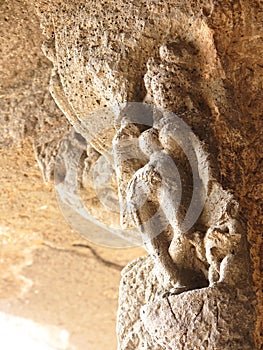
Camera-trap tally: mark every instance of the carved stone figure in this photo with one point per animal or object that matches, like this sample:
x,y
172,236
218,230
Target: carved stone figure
x,y
151,197
197,275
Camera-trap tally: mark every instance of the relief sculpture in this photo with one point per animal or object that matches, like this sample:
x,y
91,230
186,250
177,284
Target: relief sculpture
x,y
157,142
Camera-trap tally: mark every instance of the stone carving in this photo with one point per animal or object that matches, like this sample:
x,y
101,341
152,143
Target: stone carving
x,y
181,256
210,255
204,265
151,193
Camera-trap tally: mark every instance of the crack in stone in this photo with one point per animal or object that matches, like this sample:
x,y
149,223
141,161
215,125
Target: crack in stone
x,y
200,311
108,263
168,301
101,260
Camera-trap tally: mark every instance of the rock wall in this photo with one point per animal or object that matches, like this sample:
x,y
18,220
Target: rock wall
x,y
43,276
201,62
27,109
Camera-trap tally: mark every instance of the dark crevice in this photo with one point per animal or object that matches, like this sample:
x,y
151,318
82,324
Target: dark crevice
x,y
168,301
71,249
105,262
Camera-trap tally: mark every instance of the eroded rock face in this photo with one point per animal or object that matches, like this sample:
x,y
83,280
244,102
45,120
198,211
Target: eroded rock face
x,y
195,288
27,109
199,319
204,264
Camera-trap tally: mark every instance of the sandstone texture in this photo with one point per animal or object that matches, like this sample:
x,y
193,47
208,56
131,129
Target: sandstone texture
x,y
44,278
146,83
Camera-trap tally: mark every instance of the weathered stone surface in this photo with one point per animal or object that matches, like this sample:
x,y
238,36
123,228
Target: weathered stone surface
x,y
43,277
198,319
139,285
185,58
201,319
27,109
182,53
201,61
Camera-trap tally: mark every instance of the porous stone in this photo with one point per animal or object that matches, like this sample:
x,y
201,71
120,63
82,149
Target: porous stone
x,y
184,58
201,319
201,62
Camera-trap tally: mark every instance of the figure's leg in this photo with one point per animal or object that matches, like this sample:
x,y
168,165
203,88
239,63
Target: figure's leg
x,y
148,217
174,206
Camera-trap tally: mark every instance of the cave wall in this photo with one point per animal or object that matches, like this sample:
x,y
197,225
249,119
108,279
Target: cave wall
x,y
100,53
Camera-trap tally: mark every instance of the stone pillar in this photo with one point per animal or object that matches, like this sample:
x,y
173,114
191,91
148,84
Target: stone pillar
x,y
200,62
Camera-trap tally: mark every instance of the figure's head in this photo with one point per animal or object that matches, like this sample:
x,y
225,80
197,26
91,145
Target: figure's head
x,y
149,142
